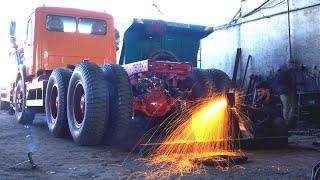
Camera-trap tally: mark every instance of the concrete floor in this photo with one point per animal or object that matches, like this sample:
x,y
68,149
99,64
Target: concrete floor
x,y
62,159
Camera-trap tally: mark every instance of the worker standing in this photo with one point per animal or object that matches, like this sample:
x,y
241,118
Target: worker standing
x,y
286,85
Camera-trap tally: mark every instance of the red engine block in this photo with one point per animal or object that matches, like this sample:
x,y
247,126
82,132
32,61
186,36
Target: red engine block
x,y
156,101
154,104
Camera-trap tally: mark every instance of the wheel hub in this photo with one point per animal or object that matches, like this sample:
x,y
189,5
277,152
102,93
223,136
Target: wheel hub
x,y
57,101
79,106
20,101
54,103
82,103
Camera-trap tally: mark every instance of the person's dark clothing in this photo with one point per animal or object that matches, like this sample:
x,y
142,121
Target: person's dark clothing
x,y
269,108
268,119
284,81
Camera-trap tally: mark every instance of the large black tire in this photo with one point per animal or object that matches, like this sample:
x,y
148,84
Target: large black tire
x,y
23,114
221,81
199,83
121,99
87,104
56,102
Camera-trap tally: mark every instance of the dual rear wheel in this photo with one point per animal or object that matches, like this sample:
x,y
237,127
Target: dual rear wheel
x,y
91,103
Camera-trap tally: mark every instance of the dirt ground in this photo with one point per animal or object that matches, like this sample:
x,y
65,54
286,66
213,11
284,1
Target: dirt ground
x,y
62,159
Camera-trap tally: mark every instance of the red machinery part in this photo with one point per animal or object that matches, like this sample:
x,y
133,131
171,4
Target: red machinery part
x,y
153,79
154,104
161,67
146,68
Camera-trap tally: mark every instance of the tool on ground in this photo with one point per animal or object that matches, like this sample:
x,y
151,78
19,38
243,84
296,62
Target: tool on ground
x,y
30,160
146,148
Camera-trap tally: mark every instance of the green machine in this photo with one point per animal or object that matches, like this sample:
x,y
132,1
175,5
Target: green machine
x,y
162,41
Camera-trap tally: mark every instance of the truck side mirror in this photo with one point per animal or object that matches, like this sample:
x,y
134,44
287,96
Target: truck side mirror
x,y
12,28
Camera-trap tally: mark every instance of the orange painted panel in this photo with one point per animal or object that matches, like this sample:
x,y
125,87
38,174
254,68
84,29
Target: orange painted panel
x,y
54,49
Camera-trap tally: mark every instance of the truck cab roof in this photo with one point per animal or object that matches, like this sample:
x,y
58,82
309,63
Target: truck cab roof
x,y
67,11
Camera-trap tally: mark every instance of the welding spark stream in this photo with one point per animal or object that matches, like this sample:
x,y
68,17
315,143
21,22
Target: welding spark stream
x,y
201,131
203,123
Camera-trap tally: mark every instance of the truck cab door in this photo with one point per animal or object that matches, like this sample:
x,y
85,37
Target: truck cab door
x,y
27,57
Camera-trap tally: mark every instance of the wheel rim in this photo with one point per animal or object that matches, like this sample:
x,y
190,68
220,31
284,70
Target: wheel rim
x,y
19,101
78,104
54,103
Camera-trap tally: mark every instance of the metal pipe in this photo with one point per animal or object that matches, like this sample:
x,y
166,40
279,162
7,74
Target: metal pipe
x,y
256,9
231,98
200,52
289,30
236,67
245,71
226,26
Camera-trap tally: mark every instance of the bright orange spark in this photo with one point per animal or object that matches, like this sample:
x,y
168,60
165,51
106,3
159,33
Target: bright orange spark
x,y
200,132
206,119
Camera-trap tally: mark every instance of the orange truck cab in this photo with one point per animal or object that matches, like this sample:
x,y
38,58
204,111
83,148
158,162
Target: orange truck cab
x,y
57,37
62,37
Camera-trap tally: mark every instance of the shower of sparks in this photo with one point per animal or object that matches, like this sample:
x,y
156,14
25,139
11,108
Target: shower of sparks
x,y
202,131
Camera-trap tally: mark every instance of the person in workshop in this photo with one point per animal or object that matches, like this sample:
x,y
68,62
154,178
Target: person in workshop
x,y
266,116
286,85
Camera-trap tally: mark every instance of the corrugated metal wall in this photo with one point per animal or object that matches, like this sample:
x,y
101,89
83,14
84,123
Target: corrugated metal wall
x,y
266,39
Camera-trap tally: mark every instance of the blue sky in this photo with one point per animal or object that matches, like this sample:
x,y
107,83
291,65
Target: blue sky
x,y
202,12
